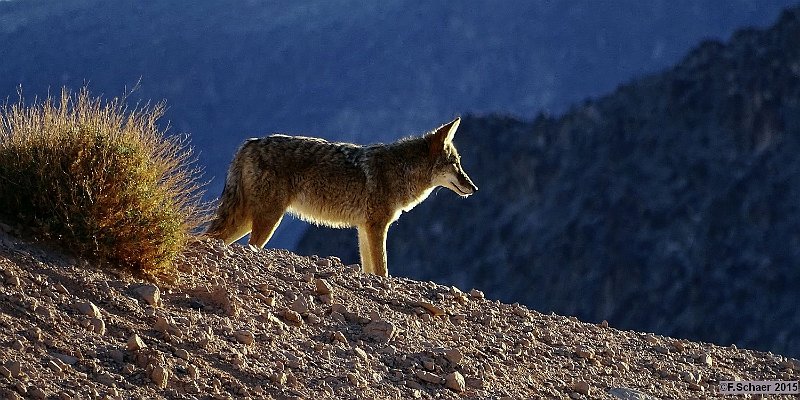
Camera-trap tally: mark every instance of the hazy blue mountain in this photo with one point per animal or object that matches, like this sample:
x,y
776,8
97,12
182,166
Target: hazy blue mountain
x,y
670,205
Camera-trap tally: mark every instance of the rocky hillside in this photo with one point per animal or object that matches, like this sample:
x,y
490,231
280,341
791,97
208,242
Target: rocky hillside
x,y
271,324
670,205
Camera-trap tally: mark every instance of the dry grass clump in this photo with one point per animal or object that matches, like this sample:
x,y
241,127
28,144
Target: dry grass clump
x,y
105,182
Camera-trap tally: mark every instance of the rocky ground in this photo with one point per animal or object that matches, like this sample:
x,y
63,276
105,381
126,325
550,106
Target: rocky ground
x,y
271,324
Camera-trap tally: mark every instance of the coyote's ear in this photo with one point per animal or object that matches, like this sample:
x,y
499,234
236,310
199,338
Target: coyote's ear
x,y
443,135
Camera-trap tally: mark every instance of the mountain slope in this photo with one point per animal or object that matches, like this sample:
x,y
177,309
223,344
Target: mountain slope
x,y
670,205
275,325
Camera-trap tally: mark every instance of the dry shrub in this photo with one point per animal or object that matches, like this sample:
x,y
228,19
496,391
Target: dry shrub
x,y
103,181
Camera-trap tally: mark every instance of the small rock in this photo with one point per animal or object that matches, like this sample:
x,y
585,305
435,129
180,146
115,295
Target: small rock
x,y
453,355
678,345
322,286
661,349
278,378
244,337
360,353
66,359
339,337
98,326
624,393
428,364
415,385
128,369
149,293
54,367
519,311
323,262
429,377
60,289
165,325
196,304
292,316
380,331
135,343
295,363
476,294
581,387
17,345
313,319
339,308
117,355
13,281
45,312
706,359
105,378
477,383
15,367
191,387
455,381
88,308
34,334
269,317
37,393
300,305
160,376
193,371
182,354
430,308
584,352
5,372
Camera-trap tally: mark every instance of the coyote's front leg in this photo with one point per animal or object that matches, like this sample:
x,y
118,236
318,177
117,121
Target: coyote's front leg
x,y
363,250
376,244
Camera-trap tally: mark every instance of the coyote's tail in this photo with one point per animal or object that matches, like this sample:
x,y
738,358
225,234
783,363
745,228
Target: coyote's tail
x,y
232,220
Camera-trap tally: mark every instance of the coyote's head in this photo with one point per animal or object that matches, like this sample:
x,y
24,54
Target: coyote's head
x,y
447,169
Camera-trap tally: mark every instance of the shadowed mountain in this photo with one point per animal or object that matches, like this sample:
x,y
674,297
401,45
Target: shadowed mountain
x,y
671,205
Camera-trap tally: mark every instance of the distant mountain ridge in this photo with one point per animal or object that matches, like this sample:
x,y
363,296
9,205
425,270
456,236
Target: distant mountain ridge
x,y
671,205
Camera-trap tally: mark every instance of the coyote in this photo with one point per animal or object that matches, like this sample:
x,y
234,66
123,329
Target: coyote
x,y
335,184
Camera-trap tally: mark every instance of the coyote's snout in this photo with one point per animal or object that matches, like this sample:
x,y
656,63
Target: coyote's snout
x,y
336,184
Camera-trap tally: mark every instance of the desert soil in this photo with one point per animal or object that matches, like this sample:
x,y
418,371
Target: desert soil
x,y
271,324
